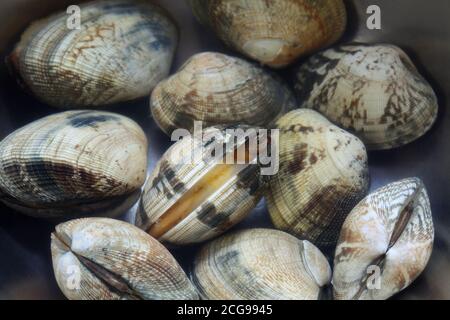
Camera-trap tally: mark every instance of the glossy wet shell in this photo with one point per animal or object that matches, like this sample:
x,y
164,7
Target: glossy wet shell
x,y
105,259
123,49
260,264
274,33
374,91
191,197
218,89
74,162
323,174
390,230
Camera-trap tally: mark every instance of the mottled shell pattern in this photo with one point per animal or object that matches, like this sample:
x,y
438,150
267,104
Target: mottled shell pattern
x,y
190,200
323,174
121,51
219,90
260,264
274,33
105,259
385,242
73,163
374,91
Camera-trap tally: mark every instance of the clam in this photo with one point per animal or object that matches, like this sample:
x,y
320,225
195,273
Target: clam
x,y
274,33
374,91
261,264
73,163
219,89
385,243
323,174
100,258
202,186
121,51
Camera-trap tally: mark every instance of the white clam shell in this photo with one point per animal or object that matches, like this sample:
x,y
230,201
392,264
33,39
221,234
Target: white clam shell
x,y
105,259
374,91
390,231
121,51
261,264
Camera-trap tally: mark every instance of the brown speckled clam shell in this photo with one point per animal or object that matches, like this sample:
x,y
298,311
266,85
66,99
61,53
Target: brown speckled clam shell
x,y
323,174
274,33
105,259
188,200
123,49
260,264
73,163
218,90
391,229
374,91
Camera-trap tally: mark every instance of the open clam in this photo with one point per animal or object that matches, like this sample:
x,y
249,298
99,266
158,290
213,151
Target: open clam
x,y
73,163
218,90
374,91
202,186
274,33
105,259
323,174
120,51
385,242
260,264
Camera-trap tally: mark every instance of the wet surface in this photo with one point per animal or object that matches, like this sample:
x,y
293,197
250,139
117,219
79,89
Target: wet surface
x,y
421,28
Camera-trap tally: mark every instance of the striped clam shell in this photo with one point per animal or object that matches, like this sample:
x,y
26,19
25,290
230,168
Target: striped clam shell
x,y
105,259
374,91
323,174
73,163
190,200
219,89
274,33
385,243
261,264
121,51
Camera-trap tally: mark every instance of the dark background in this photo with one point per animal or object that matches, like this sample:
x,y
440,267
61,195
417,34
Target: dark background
x,y
421,28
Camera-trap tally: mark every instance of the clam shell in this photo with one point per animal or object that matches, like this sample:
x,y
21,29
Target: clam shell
x,y
323,174
188,200
105,259
374,91
260,264
123,49
274,33
219,89
391,229
74,162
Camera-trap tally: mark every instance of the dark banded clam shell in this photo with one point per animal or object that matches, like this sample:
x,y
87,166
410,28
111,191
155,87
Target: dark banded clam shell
x,y
189,200
73,163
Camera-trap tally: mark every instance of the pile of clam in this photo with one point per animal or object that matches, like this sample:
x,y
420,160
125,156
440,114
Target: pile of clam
x,y
91,165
